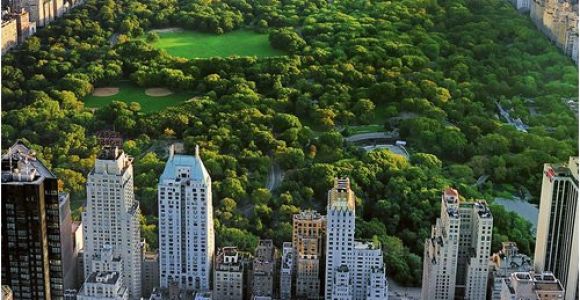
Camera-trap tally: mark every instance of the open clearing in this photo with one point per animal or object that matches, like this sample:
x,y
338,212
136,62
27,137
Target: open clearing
x,y
192,44
158,92
155,100
105,91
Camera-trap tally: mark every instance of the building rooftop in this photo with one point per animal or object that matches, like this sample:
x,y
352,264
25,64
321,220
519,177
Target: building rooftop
x,y
198,170
367,245
341,196
542,282
308,215
20,166
103,277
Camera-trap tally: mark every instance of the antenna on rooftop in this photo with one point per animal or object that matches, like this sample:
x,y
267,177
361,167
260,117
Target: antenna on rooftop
x,y
197,151
110,138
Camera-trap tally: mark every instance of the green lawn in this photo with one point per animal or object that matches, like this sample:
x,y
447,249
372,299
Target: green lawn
x,y
366,128
191,44
132,93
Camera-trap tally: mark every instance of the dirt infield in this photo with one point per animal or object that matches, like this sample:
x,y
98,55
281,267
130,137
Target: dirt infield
x,y
158,92
105,91
171,29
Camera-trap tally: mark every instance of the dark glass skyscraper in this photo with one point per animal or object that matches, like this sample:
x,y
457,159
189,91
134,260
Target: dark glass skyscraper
x,y
31,246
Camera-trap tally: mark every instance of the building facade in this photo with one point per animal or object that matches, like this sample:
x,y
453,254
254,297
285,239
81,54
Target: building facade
x,y
377,286
9,34
264,269
368,256
286,271
339,240
532,286
229,276
111,217
456,255
150,273
308,241
186,233
31,238
557,234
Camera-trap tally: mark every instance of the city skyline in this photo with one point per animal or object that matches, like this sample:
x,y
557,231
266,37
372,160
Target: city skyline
x,y
290,150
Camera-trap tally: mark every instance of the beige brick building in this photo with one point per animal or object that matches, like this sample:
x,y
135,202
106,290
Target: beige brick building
x,y
9,35
308,241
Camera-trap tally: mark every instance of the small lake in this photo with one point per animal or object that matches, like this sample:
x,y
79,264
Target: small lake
x,y
521,207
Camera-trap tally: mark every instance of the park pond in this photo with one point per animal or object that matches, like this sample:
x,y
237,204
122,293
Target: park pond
x,y
523,208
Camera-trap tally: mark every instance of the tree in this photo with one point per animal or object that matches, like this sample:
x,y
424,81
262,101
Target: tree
x,y
290,158
152,37
286,39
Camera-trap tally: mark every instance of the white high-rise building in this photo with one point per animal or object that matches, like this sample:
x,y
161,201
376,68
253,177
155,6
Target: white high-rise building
x,y
340,239
111,218
456,255
558,233
367,256
186,233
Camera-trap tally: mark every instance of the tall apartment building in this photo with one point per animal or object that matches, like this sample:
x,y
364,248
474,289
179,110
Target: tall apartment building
x,y
264,269
308,241
229,276
32,262
557,235
368,256
502,264
377,286
456,255
186,233
286,271
111,217
340,240
532,286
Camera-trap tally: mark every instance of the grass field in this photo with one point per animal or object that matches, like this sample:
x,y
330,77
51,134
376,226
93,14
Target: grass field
x,y
132,93
191,44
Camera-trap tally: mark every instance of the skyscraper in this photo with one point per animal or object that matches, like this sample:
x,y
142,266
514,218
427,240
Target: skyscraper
x,y
308,241
186,234
456,255
111,218
31,240
557,235
340,240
